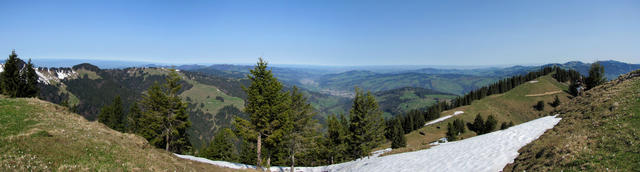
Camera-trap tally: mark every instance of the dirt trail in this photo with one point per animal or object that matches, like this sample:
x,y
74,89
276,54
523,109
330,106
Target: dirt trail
x,y
543,94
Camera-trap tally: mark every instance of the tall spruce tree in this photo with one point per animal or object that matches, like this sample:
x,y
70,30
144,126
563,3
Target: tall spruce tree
x,y
134,118
221,147
366,126
11,81
267,106
29,81
398,139
303,133
336,138
165,118
113,115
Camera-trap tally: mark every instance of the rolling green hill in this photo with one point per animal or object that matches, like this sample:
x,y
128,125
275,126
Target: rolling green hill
x,y
598,132
36,135
515,105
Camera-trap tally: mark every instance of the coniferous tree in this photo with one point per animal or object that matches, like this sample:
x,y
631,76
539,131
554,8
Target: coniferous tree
x,y
267,107
113,115
133,118
164,116
336,138
596,76
366,125
29,81
490,124
398,139
539,106
477,125
556,102
302,134
451,133
221,147
11,76
506,125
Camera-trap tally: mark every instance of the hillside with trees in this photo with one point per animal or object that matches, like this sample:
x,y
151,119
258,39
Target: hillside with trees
x,y
598,132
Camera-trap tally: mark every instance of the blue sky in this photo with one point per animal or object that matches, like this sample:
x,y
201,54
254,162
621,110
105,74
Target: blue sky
x,y
324,32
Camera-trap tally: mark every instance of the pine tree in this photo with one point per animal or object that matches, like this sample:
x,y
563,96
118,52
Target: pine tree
x,y
164,116
596,76
490,124
336,138
113,115
267,107
366,126
29,81
556,102
11,76
302,133
398,139
539,106
134,118
477,125
221,147
451,133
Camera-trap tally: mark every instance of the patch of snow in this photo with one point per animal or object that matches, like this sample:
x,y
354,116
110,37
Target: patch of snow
x,y
488,152
380,152
440,141
534,81
62,75
444,118
1,67
42,78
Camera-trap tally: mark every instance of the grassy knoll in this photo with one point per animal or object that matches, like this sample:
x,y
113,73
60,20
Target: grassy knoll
x,y
598,132
40,136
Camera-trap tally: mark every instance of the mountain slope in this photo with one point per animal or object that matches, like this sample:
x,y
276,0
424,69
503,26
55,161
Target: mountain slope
x,y
39,136
599,132
515,105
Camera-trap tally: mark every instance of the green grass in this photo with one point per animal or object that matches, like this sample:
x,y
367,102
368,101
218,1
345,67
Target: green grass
x,y
513,105
40,136
598,132
206,94
14,118
90,74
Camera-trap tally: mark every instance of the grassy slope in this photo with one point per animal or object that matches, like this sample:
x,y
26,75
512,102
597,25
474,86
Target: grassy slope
x,y
598,132
513,105
40,136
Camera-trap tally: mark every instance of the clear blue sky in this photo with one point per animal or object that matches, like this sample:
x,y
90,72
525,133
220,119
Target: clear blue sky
x,y
325,32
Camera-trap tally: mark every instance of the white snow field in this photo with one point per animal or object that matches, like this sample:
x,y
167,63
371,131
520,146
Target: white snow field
x,y
488,152
444,118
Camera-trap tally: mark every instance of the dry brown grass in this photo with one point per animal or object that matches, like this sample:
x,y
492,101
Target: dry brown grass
x,y
598,132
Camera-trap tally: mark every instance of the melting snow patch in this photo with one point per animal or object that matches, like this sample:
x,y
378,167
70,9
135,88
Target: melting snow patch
x,y
443,118
488,152
534,81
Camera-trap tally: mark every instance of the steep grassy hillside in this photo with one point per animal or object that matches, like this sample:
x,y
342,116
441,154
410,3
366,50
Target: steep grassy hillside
x,y
599,131
40,136
515,105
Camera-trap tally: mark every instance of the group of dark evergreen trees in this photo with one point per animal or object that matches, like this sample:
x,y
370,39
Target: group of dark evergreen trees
x,y
280,128
160,117
18,79
455,129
